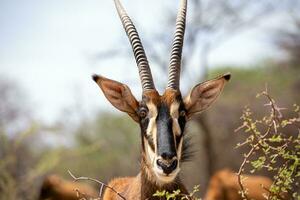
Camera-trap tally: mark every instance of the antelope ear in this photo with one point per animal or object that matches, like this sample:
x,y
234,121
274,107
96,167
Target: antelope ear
x,y
119,95
204,94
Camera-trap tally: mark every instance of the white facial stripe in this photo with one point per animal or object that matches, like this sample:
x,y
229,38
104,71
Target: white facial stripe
x,y
179,151
175,115
151,127
176,127
174,110
150,153
152,130
152,110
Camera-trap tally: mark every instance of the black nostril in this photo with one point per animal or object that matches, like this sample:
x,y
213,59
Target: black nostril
x,y
167,167
159,162
173,165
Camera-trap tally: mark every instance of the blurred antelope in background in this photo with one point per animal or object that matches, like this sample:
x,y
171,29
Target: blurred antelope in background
x,y
56,188
224,186
162,118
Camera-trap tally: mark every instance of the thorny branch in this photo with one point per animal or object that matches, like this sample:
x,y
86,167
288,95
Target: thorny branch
x,y
102,185
241,169
274,146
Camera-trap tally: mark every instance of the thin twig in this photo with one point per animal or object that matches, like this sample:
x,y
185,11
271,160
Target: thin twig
x,y
239,174
270,192
97,181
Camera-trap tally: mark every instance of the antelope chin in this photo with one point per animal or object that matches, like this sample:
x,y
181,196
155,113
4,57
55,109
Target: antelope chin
x,y
165,178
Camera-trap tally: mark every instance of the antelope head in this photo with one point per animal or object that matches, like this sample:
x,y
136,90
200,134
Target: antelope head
x,y
162,118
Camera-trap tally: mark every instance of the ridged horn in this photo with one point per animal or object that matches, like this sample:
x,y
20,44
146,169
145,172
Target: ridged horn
x,y
175,60
137,47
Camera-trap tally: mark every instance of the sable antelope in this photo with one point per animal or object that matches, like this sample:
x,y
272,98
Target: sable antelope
x,y
162,118
56,188
224,186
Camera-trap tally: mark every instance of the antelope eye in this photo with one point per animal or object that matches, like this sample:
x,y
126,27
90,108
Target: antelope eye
x,y
143,112
182,113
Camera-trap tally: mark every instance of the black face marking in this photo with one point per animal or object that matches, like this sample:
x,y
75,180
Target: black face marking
x,y
182,119
143,112
144,122
165,137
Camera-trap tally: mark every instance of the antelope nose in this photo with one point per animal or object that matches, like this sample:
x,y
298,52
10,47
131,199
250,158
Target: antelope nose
x,y
167,166
168,156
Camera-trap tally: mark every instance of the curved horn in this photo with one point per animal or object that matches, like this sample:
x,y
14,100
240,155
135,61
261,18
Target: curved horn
x,y
175,61
138,50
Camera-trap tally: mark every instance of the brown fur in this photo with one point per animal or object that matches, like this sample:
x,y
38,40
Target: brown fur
x,y
170,96
119,95
56,188
138,188
224,186
151,96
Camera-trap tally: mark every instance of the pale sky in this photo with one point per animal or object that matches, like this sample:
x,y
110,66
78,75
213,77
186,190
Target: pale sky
x,y
46,47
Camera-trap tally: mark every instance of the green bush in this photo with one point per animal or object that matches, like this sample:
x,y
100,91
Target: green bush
x,y
273,143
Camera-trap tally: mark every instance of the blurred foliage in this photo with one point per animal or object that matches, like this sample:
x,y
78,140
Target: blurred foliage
x,y
288,41
22,163
102,146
